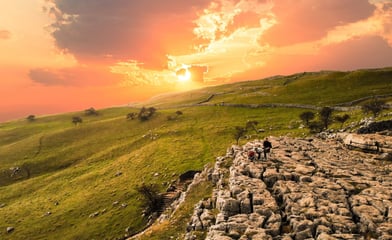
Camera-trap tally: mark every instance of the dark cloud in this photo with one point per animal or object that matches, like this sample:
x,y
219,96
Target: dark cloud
x,y
309,20
123,29
4,34
77,76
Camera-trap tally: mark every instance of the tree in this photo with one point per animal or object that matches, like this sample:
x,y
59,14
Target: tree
x,y
146,113
178,113
131,116
375,107
342,119
306,117
153,201
239,132
76,120
31,118
316,126
252,125
91,112
326,116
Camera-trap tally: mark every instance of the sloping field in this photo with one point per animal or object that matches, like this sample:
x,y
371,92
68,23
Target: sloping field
x,y
66,181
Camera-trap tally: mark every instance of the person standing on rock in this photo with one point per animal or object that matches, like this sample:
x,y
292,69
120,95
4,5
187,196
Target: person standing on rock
x,y
258,150
267,147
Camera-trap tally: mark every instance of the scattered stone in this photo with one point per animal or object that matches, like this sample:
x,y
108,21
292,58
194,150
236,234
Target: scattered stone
x,y
10,229
93,215
118,174
2,205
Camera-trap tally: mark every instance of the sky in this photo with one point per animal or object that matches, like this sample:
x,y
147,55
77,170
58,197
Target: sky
x,y
69,55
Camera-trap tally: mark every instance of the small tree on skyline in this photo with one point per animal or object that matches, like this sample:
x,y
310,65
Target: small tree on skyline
x,y
91,112
76,120
31,118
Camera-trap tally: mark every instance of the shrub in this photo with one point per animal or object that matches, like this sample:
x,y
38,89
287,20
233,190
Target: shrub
x,y
238,133
131,116
146,113
326,116
152,200
375,107
342,119
316,126
76,120
306,117
31,118
90,112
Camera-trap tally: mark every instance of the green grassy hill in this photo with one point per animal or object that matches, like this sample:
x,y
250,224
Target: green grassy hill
x,y
78,181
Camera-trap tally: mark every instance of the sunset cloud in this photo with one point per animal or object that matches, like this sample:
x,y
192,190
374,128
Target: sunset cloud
x,y
141,48
4,34
122,28
309,20
74,76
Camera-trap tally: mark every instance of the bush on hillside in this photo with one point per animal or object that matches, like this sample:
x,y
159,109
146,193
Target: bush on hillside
x,y
306,117
239,133
131,116
146,113
31,118
375,107
90,112
152,199
76,120
316,126
342,119
326,116
252,125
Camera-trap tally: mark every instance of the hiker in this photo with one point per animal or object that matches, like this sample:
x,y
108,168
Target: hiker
x,y
258,150
267,147
251,155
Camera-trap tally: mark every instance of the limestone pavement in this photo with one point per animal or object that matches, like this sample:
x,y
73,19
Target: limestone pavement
x,y
306,189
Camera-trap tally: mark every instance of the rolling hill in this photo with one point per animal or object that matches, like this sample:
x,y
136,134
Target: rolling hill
x,y
67,181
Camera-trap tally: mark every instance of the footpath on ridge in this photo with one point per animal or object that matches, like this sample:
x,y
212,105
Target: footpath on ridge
x,y
307,189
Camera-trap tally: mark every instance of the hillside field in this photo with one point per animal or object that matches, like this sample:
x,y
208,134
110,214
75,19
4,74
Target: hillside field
x,y
79,181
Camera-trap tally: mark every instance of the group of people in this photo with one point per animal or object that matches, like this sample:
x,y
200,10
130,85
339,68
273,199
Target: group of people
x,y
258,150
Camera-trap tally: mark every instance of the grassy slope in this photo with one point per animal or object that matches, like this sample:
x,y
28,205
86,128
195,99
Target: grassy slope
x,y
76,166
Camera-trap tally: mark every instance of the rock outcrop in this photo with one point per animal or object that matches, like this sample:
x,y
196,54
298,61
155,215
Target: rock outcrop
x,y
307,189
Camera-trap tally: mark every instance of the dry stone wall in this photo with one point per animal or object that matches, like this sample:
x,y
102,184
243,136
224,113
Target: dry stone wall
x,y
307,189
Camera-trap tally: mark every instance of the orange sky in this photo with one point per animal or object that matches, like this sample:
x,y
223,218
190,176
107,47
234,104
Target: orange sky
x,y
69,55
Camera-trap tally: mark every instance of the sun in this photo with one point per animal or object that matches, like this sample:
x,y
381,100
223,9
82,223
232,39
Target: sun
x,y
184,75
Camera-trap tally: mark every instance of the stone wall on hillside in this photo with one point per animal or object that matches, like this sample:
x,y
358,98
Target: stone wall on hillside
x,y
307,189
